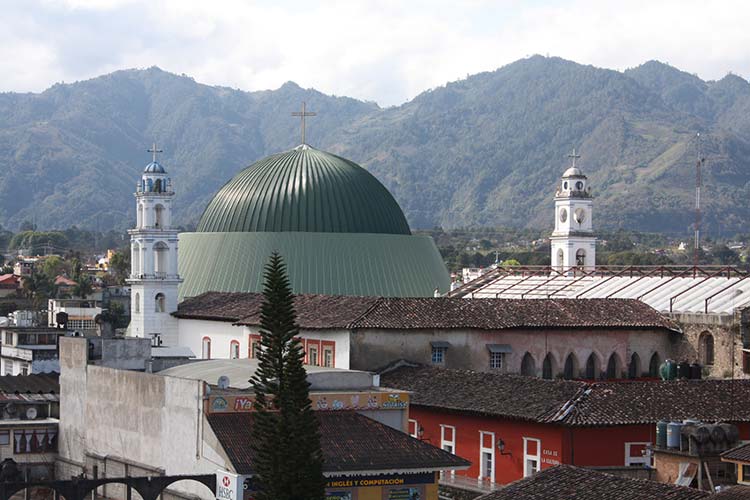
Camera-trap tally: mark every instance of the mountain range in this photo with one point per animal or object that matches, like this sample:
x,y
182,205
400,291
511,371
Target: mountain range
x,y
487,150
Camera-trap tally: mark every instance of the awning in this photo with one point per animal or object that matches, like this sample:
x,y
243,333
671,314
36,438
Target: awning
x,y
440,343
504,348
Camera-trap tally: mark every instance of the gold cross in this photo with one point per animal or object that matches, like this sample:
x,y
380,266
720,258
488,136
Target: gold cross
x,y
154,151
302,114
574,156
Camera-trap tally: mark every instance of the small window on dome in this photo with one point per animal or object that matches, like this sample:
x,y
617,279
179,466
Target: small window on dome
x,y
565,185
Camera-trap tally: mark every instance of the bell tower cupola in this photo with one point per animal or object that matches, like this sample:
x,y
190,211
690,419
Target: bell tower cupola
x,y
573,241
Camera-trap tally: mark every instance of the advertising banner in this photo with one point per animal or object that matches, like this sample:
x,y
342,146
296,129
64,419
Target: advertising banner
x,y
322,401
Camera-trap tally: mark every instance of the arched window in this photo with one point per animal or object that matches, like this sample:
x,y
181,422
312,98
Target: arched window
x,y
157,186
159,213
528,365
571,367
560,258
707,348
159,305
634,368
137,302
234,349
206,348
580,257
592,367
161,259
140,221
654,365
614,366
548,367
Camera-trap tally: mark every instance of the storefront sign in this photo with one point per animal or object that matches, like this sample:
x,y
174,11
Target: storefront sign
x,y
321,402
385,480
228,486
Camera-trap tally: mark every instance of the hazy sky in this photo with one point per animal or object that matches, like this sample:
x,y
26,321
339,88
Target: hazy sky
x,y
377,50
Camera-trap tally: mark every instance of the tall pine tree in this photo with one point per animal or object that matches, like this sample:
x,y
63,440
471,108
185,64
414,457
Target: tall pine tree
x,y
286,440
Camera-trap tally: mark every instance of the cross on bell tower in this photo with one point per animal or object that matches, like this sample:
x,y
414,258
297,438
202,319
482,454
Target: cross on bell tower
x,y
574,156
302,114
154,152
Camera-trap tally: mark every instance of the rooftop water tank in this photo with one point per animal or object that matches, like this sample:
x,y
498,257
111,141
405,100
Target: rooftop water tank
x,y
673,434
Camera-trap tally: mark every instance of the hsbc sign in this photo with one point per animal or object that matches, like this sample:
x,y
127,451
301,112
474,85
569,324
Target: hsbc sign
x,y
228,486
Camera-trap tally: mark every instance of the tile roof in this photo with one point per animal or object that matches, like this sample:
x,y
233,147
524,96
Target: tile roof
x,y
572,402
737,492
564,482
335,311
513,396
38,383
738,454
350,442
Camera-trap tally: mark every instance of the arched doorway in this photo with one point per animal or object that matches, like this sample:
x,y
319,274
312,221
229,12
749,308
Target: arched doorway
x,y
593,367
614,366
634,367
654,364
549,367
706,348
160,303
528,365
571,367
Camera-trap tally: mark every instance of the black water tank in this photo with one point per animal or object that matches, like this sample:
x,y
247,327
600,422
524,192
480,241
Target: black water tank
x,y
683,369
696,371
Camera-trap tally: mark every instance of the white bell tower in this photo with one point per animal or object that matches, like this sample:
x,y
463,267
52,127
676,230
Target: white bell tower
x,y
573,241
153,258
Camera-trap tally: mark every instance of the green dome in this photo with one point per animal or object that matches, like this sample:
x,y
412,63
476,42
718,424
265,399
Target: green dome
x,y
304,190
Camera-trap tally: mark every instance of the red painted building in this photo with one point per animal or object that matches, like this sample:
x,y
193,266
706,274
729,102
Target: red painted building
x,y
510,426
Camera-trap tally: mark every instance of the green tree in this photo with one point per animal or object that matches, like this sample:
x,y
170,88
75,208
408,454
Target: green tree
x,y
82,287
53,266
286,439
119,264
38,287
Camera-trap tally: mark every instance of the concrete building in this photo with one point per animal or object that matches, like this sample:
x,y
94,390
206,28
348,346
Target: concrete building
x,y
77,314
153,258
181,421
550,338
27,350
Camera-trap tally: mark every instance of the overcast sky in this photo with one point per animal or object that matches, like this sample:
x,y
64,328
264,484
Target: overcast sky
x,y
386,51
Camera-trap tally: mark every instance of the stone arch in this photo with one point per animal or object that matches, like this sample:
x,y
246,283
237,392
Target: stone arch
x,y
634,367
706,348
549,367
614,366
161,259
528,365
572,369
160,305
593,366
654,364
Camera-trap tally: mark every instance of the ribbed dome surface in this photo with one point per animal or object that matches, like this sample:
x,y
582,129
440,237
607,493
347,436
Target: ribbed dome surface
x,y
304,190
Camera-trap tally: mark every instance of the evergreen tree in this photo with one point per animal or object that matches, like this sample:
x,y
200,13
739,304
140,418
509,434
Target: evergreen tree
x,y
286,440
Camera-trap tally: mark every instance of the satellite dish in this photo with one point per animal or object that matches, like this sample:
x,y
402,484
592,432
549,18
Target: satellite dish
x,y
11,410
223,382
31,413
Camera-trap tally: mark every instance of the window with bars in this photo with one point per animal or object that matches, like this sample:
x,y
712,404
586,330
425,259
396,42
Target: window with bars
x,y
497,360
34,440
328,357
312,355
438,355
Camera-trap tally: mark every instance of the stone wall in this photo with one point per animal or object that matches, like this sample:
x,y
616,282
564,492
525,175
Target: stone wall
x,y
727,342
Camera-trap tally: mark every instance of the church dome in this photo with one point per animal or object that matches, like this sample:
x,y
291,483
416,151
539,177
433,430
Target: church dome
x,y
573,172
154,168
304,190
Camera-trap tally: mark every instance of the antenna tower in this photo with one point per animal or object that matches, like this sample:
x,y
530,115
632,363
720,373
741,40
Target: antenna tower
x,y
698,184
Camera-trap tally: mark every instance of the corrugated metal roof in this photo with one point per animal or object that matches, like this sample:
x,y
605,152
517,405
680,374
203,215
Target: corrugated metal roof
x,y
304,190
699,294
387,265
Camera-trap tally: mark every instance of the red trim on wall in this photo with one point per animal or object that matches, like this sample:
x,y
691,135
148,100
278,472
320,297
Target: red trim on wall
x,y
251,338
233,343
203,341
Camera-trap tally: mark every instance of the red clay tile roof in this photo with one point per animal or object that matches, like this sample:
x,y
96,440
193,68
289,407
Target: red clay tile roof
x,y
738,454
332,311
512,396
571,402
565,482
646,402
350,443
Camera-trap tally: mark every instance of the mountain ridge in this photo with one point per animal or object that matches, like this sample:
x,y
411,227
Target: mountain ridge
x,y
483,151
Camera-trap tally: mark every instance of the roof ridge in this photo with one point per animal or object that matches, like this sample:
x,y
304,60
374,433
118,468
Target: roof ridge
x,y
376,303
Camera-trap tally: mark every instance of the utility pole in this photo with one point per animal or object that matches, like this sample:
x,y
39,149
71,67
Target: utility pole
x,y
698,184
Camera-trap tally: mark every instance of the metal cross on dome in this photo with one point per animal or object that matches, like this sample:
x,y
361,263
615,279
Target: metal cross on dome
x,y
154,152
302,114
574,156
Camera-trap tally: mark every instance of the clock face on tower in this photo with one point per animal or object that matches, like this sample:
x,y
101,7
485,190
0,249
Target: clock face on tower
x,y
563,215
580,215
